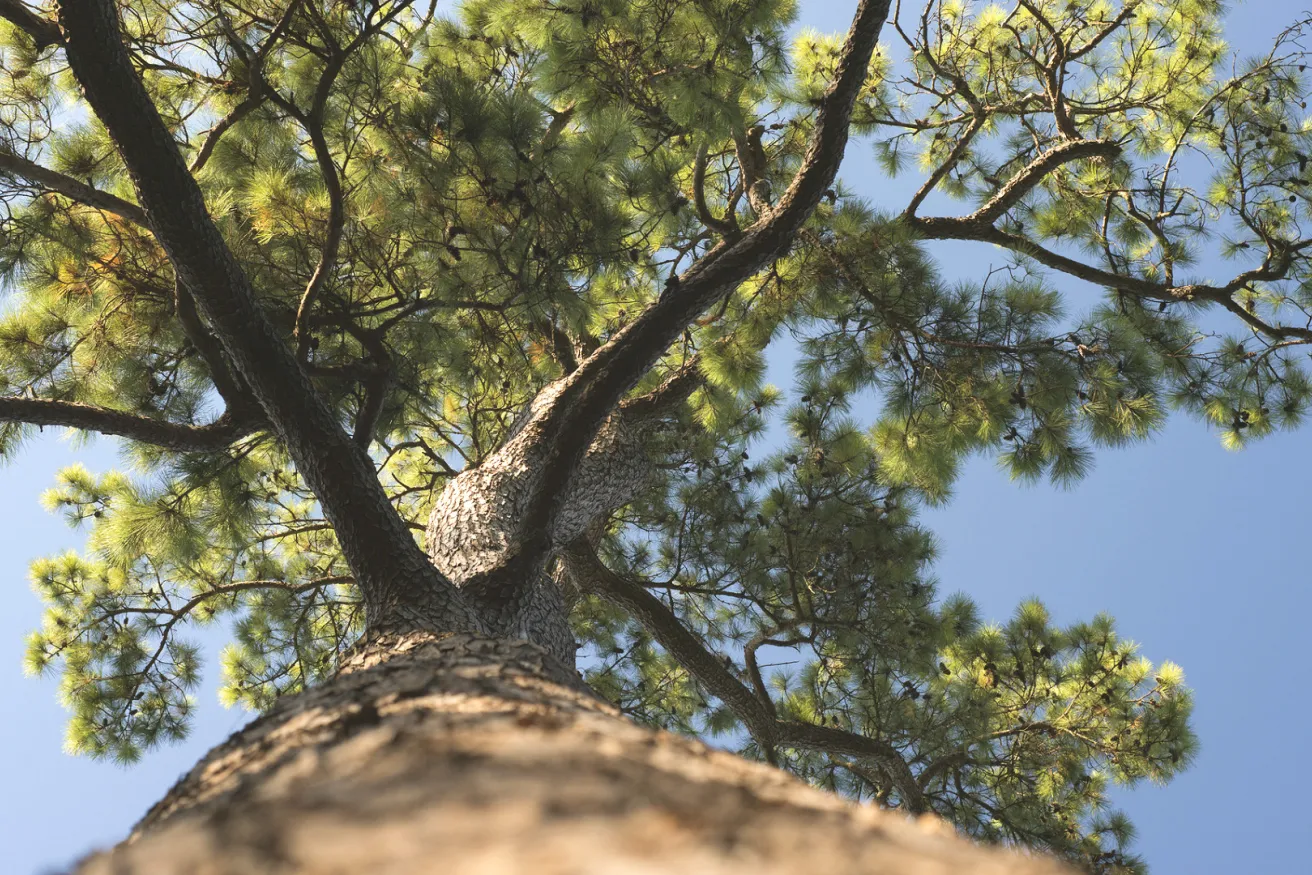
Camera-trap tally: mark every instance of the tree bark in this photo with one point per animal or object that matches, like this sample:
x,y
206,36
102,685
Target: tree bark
x,y
477,521
464,755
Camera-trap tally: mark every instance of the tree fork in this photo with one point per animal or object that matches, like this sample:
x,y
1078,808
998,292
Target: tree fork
x,y
569,413
478,519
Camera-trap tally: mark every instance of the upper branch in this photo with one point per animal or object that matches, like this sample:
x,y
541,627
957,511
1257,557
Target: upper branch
x,y
312,122
723,227
53,180
943,169
42,30
257,94
183,438
398,583
1033,173
942,228
672,392
88,195
601,381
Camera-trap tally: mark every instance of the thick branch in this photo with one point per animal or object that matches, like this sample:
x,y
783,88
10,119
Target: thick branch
x,y
593,391
375,390
830,740
753,165
665,398
592,576
398,583
183,438
562,345
945,228
42,30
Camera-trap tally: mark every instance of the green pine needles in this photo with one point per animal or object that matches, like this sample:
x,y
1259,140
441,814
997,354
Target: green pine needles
x,y
443,208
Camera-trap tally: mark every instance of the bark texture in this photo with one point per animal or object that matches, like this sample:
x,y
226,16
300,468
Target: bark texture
x,y
477,526
473,756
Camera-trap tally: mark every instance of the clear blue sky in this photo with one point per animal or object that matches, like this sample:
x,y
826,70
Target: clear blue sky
x,y
1197,552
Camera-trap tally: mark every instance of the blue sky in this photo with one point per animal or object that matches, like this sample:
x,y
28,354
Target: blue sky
x,y
1196,551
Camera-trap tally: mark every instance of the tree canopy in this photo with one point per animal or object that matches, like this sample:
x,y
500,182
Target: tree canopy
x,y
440,211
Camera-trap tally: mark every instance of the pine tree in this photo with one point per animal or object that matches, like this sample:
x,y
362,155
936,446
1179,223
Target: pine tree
x,y
431,332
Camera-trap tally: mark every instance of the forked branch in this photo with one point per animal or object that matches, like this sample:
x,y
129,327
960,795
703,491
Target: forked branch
x,y
601,381
43,31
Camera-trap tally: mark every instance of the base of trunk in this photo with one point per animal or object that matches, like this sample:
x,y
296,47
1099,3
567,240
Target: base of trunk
x,y
470,756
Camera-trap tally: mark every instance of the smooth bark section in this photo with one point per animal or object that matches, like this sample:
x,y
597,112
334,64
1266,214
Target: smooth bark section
x,y
472,756
400,587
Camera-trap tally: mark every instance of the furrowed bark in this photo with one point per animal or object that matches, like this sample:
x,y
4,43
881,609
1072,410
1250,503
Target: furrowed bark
x,y
400,587
471,756
478,520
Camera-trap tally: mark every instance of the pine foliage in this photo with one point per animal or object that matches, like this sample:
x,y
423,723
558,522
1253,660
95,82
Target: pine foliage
x,y
509,184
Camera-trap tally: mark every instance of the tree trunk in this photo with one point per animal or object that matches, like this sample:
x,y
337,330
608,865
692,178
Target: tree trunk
x,y
473,756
